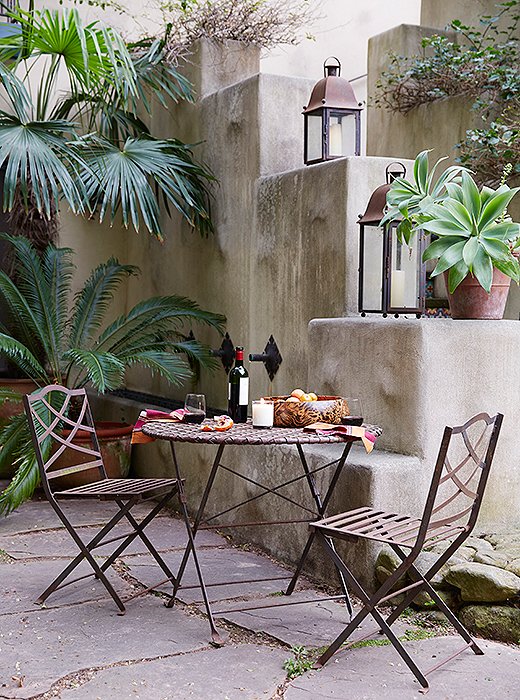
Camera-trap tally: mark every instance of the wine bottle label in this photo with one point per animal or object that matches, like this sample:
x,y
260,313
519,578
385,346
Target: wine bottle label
x,y
243,394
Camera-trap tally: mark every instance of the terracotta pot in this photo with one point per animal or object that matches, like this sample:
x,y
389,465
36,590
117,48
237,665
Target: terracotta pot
x,y
115,444
11,408
471,301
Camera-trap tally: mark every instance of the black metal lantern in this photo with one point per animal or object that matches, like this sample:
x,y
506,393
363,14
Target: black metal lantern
x,y
392,276
332,118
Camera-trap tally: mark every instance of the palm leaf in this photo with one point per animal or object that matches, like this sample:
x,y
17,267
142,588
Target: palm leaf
x,y
12,435
22,319
24,482
103,369
93,300
32,283
17,353
152,316
40,161
58,271
172,367
126,180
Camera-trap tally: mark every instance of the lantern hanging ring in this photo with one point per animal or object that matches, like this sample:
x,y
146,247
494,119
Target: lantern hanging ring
x,y
331,69
392,175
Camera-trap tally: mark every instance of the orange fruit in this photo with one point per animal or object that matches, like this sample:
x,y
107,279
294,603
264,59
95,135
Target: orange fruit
x,y
220,424
297,393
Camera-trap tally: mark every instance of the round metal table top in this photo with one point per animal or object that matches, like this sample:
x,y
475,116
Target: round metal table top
x,y
240,434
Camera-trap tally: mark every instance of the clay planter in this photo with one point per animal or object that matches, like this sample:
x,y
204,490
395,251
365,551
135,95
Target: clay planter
x,y
288,414
471,301
11,408
114,441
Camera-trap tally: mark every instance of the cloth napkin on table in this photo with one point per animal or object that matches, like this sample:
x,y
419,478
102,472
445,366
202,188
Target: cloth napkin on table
x,y
367,437
149,414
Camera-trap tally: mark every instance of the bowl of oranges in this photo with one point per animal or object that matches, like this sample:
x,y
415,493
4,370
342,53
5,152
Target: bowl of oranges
x,y
301,408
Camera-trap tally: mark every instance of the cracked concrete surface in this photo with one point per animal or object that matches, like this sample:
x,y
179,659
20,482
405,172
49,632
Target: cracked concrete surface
x,y
78,648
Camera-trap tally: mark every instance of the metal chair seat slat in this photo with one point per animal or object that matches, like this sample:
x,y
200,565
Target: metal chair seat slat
x,y
118,487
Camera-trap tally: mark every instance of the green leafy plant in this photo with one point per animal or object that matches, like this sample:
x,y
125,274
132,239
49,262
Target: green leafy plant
x,y
303,661
480,63
55,342
78,134
472,229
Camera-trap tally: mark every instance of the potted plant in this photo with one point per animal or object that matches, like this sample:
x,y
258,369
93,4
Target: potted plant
x,y
475,241
54,341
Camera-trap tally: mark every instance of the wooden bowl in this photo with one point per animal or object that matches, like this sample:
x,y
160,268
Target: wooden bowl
x,y
289,414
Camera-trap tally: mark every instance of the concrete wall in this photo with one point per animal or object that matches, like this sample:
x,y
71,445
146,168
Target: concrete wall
x,y
416,376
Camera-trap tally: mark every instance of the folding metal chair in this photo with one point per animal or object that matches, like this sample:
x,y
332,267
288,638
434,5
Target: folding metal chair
x,y
53,432
449,516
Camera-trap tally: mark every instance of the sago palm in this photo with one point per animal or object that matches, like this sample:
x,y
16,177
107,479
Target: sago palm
x,y
52,344
72,128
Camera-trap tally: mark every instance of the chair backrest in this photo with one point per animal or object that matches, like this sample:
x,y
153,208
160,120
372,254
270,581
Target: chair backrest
x,y
56,415
460,477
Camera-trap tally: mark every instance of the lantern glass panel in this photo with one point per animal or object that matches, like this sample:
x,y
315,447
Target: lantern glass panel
x,y
405,271
342,134
314,137
372,261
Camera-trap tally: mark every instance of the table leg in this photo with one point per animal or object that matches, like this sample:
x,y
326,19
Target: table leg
x,y
192,532
321,507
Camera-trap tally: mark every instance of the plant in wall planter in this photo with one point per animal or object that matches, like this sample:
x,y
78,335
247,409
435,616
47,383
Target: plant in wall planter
x,y
475,244
53,344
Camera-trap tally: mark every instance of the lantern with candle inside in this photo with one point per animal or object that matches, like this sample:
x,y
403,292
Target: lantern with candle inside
x,y
263,413
392,276
332,118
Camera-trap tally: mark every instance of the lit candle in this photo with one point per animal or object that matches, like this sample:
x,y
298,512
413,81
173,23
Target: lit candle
x,y
335,140
397,291
263,414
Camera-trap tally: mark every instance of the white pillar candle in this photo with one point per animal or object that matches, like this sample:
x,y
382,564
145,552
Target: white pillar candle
x,y
263,414
397,291
335,140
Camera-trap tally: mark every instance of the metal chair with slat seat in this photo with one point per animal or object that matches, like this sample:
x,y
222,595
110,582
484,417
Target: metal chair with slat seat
x,y
449,516
53,433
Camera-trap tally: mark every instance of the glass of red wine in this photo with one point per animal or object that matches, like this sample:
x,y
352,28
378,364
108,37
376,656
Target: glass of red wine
x,y
195,407
356,412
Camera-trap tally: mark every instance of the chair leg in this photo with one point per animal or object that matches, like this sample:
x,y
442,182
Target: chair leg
x,y
138,532
416,575
370,603
85,553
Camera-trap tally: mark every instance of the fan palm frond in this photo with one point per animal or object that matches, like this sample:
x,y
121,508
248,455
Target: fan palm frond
x,y
40,162
125,179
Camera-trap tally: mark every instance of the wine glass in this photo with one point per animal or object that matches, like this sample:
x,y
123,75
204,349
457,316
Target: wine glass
x,y
195,407
356,412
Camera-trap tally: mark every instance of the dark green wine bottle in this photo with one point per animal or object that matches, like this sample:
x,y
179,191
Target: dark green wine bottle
x,y
238,389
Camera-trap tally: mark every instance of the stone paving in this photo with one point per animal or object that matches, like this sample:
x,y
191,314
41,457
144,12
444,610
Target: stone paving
x,y
78,648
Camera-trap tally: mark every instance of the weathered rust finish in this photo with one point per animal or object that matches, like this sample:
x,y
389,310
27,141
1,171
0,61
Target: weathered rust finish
x,y
450,513
471,301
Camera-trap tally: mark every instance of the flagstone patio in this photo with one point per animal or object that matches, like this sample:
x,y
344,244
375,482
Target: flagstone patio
x,y
78,648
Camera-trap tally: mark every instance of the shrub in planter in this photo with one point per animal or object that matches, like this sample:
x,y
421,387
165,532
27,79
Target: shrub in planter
x,y
55,342
475,240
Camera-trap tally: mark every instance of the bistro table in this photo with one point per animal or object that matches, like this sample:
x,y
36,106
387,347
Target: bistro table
x,y
245,434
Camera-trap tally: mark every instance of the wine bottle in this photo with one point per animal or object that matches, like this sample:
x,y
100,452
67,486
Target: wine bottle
x,y
238,389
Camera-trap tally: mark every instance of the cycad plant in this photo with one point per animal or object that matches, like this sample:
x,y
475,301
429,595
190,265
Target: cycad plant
x,y
52,344
72,128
